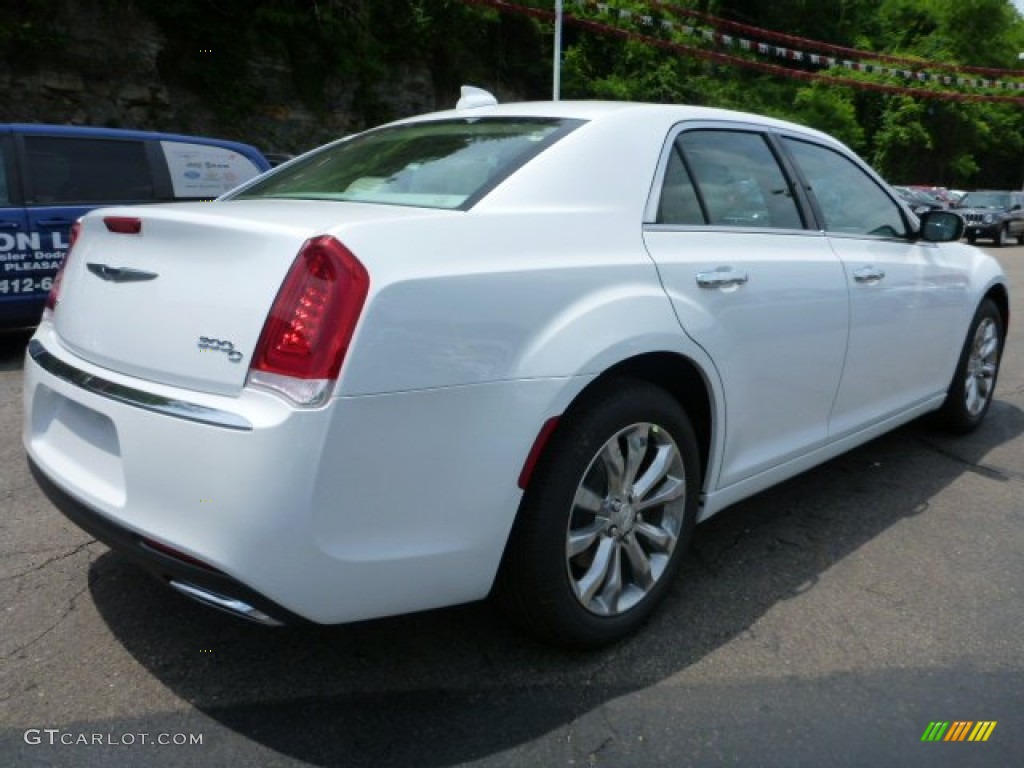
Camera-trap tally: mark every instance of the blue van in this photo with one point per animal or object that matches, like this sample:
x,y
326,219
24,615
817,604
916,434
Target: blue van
x,y
51,174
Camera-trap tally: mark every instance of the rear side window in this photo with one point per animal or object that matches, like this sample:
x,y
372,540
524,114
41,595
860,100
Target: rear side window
x,y
726,178
436,164
202,171
850,200
86,170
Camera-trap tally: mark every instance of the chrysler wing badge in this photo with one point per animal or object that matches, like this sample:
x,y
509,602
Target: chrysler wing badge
x,y
119,274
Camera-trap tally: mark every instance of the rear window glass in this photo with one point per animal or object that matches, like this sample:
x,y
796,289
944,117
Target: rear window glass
x,y
200,170
70,170
438,164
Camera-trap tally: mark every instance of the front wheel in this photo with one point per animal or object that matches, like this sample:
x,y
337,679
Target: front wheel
x,y
1002,239
974,381
608,514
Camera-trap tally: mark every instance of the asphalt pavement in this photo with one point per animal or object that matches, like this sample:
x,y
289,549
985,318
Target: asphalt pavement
x,y
826,622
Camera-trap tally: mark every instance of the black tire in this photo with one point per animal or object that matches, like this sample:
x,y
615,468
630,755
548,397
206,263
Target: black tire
x,y
977,370
542,584
1002,238
972,240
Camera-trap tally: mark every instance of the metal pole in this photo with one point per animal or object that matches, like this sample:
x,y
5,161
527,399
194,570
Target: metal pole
x,y
557,70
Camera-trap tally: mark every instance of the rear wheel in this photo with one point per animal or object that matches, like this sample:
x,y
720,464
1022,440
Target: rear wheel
x,y
609,512
974,382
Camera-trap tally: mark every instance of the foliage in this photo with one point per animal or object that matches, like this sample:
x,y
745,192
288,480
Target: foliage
x,y
910,139
349,52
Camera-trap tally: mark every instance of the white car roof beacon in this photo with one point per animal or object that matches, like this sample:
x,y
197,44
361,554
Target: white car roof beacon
x,y
472,97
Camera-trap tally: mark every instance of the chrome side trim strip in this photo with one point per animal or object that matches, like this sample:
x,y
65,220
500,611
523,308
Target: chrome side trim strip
x,y
148,401
226,604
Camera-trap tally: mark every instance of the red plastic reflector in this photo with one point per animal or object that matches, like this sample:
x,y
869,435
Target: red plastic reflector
x,y
123,225
172,552
311,323
54,295
539,444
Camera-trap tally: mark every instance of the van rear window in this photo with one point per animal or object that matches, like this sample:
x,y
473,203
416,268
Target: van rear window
x,y
72,170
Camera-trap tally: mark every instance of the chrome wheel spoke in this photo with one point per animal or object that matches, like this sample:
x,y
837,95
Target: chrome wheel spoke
x,y
972,397
588,500
609,597
582,539
987,352
663,458
614,464
597,574
659,539
673,488
636,449
639,562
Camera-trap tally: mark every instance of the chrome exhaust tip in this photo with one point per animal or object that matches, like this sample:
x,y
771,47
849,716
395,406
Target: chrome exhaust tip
x,y
226,604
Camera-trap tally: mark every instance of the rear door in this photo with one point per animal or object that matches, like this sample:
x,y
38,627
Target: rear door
x,y
763,295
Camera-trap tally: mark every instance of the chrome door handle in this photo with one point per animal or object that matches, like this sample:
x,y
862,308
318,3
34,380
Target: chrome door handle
x,y
723,277
868,274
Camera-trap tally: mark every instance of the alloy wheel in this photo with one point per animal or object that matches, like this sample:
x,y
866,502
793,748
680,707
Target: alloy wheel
x,y
981,367
626,518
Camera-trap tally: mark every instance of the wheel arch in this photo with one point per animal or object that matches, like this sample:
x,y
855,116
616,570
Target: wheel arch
x,y
677,374
999,295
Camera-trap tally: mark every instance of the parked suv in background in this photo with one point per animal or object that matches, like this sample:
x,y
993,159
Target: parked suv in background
x,y
993,215
50,175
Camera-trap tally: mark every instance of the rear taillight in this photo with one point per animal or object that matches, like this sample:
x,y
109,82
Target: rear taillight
x,y
53,297
311,323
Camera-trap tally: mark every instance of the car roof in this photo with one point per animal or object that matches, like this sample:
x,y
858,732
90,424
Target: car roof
x,y
598,110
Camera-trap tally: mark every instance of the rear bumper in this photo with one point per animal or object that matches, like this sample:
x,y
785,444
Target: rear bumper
x,y
236,598
369,506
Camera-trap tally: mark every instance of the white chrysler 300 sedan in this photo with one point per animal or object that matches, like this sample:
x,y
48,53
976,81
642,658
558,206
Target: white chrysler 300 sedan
x,y
522,348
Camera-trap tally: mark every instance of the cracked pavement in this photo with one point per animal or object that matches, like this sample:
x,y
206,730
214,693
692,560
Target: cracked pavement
x,y
824,622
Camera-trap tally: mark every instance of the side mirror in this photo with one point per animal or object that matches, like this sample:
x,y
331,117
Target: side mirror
x,y
941,226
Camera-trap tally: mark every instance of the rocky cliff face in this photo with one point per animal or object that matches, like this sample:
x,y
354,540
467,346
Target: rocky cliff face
x,y
110,64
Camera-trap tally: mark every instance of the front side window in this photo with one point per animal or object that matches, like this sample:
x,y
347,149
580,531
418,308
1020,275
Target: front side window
x,y
436,164
850,200
78,170
727,178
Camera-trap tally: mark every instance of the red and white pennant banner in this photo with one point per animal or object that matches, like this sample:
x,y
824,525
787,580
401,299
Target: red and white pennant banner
x,y
649,21
790,53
